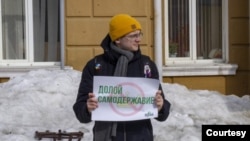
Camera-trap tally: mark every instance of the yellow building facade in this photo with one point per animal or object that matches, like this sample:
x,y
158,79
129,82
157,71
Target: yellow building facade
x,y
87,22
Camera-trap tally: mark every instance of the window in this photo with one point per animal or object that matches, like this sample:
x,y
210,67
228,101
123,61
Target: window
x,y
13,29
30,32
195,37
195,30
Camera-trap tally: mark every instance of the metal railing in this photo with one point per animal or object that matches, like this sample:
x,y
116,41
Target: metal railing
x,y
57,136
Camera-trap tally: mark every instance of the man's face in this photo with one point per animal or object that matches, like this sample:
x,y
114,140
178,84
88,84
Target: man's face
x,y
130,41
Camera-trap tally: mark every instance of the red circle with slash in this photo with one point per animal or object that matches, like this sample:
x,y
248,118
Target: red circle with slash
x,y
135,108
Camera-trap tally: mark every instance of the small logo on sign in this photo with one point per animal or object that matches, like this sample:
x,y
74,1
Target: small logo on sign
x,y
149,114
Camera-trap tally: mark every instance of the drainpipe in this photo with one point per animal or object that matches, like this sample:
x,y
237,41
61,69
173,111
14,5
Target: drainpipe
x,y
158,36
62,32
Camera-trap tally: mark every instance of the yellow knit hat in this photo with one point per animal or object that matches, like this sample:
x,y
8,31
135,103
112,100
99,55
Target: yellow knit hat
x,y
121,25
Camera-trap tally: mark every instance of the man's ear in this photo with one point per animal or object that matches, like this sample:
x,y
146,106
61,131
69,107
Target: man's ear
x,y
117,41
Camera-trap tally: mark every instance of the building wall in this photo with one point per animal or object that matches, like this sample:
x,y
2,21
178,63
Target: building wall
x,y
87,23
212,83
2,80
239,52
248,57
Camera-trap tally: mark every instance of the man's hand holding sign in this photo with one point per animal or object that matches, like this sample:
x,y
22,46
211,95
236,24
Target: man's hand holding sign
x,y
124,99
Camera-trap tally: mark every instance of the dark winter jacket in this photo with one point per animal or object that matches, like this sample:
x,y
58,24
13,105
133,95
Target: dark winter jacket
x,y
104,64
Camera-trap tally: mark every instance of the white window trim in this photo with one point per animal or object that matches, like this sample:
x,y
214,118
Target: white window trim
x,y
28,34
29,30
12,68
200,70
13,71
1,37
181,66
29,61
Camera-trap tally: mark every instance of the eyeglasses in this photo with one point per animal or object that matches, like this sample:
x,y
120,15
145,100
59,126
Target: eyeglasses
x,y
135,36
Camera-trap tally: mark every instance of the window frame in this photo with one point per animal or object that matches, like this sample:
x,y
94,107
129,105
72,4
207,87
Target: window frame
x,y
192,66
29,60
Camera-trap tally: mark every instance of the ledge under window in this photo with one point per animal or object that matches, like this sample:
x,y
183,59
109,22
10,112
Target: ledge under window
x,y
12,71
199,70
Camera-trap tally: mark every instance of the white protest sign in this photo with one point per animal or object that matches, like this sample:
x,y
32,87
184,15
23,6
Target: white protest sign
x,y
124,98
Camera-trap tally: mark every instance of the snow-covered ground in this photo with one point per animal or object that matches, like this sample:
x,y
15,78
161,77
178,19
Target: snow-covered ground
x,y
42,100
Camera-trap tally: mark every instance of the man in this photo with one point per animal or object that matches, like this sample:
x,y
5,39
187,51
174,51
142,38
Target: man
x,y
121,57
